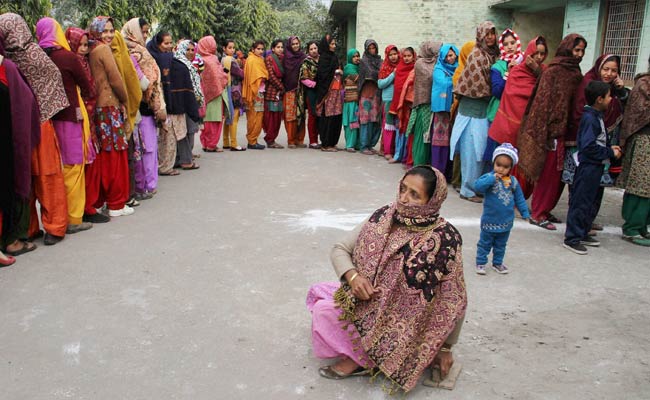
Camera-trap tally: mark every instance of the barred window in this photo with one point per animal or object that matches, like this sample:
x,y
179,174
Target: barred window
x,y
623,33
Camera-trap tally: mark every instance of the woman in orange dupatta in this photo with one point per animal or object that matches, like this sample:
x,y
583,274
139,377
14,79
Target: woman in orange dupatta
x,y
255,76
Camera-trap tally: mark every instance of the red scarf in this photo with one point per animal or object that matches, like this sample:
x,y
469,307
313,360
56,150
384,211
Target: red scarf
x,y
388,67
401,73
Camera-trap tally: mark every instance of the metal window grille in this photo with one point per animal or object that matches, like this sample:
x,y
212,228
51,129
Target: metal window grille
x,y
623,33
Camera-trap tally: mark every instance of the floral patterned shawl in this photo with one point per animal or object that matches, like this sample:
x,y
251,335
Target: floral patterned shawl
x,y
475,79
42,75
414,258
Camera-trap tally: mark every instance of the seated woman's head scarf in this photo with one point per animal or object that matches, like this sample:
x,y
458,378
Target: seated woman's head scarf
x,y
414,258
180,55
475,79
42,75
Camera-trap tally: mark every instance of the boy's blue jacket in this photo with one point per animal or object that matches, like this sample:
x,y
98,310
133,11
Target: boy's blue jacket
x,y
593,146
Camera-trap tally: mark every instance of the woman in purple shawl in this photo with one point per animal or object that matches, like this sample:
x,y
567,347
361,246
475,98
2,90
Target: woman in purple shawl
x,y
294,120
20,133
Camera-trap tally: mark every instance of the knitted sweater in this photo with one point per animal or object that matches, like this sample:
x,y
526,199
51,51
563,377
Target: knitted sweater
x,y
499,202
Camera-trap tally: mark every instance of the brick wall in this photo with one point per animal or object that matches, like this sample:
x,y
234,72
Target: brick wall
x,y
410,22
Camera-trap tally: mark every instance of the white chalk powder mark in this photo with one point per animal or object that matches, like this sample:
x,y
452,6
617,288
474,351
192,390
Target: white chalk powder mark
x,y
71,353
300,390
26,322
241,386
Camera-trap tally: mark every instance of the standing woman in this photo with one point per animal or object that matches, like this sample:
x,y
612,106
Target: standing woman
x,y
351,101
160,48
462,59
307,92
48,182
152,108
469,134
214,82
185,52
255,76
369,97
273,95
420,121
544,126
329,95
511,56
20,132
514,99
386,84
441,98
235,77
294,113
635,178
110,173
70,124
400,107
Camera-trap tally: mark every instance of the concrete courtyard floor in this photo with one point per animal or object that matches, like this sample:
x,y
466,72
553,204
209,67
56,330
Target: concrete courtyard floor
x,y
200,295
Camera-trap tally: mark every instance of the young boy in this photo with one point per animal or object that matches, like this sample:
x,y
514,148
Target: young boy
x,y
593,153
502,194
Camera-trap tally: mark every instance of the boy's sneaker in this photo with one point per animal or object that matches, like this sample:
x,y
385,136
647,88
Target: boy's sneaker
x,y
480,269
577,248
590,241
119,213
502,269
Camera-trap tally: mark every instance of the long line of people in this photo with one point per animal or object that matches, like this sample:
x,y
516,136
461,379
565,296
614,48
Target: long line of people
x,y
103,113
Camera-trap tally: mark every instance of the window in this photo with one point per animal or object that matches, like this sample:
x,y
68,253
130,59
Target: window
x,y
623,33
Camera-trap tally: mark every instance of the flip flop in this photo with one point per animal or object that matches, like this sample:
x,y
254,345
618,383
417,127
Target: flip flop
x,y
546,224
552,218
193,166
170,173
25,248
330,372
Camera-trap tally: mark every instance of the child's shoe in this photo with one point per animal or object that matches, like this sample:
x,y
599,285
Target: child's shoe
x,y
502,269
480,269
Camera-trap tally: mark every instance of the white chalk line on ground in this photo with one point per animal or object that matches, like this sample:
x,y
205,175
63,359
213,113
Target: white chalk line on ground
x,y
340,219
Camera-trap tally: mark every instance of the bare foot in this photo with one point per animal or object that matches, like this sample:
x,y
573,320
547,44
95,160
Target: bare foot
x,y
346,366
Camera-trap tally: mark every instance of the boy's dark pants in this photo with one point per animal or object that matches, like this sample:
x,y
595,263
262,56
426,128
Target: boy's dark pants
x,y
586,189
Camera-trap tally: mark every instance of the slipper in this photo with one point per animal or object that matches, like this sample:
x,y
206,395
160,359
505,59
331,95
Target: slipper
x,y
314,146
25,248
218,150
330,372
209,150
546,224
449,382
639,240
170,173
9,261
238,148
597,227
193,166
473,199
552,218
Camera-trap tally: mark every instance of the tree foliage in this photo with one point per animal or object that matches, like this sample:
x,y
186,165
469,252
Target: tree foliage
x,y
31,10
188,19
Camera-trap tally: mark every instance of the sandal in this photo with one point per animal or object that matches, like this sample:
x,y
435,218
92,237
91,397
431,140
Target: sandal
x,y
170,173
597,227
639,240
473,199
238,148
552,218
546,224
314,146
25,248
191,166
209,150
330,372
9,260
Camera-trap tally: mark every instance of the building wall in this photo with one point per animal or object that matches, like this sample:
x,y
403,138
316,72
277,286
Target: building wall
x,y
548,23
586,17
642,63
410,22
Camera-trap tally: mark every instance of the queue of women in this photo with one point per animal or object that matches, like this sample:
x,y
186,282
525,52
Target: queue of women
x,y
91,117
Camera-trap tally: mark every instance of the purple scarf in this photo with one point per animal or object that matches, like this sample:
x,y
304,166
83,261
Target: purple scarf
x,y
292,62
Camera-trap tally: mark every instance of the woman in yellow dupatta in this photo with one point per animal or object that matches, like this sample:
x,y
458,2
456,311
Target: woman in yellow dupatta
x,y
255,76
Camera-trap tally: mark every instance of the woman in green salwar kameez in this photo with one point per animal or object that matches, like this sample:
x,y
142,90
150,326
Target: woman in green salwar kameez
x,y
635,177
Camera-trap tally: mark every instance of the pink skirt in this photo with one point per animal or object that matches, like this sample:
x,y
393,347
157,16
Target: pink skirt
x,y
328,337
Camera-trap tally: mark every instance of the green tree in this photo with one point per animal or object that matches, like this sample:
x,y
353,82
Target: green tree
x,y
308,23
120,10
187,19
256,20
31,10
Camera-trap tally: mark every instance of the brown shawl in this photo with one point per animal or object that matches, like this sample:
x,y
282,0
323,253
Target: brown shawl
x,y
135,42
636,113
414,258
42,75
424,72
547,114
475,79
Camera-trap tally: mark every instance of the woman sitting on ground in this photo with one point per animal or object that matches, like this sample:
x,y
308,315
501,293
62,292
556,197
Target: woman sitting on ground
x,y
401,301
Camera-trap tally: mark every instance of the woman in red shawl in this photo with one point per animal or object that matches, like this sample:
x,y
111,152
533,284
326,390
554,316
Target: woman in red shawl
x,y
518,90
400,107
386,83
546,122
606,69
273,97
214,81
294,120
